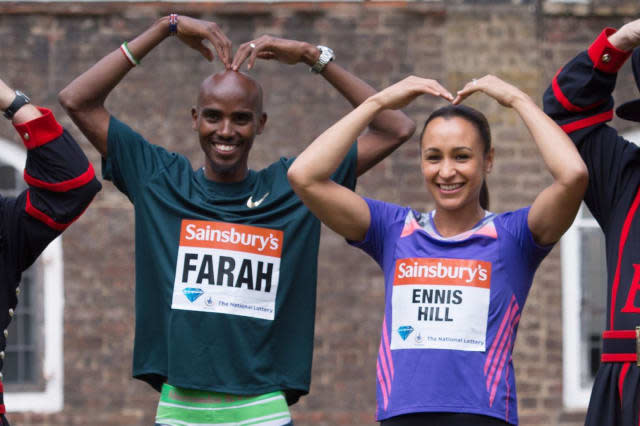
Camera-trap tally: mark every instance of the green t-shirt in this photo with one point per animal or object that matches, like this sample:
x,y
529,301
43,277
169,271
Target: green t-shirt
x,y
225,273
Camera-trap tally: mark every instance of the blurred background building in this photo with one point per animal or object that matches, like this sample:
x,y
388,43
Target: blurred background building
x,y
69,359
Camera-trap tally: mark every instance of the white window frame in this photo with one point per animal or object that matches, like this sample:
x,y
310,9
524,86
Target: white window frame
x,y
576,397
52,398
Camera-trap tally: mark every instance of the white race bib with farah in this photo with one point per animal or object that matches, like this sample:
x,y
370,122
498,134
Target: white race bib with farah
x,y
227,268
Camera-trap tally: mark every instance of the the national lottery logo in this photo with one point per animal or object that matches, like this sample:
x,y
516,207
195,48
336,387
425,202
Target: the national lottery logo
x,y
236,266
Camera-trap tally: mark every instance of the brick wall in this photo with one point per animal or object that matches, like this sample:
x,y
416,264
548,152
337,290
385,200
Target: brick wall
x,y
43,47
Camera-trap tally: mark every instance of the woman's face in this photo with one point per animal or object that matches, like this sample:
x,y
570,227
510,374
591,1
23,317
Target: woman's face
x,y
453,162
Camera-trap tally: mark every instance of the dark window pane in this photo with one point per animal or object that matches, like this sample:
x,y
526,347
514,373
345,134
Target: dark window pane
x,y
28,367
23,361
26,332
23,354
10,369
7,178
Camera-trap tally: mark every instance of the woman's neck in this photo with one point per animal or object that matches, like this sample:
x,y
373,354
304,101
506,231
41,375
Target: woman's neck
x,y
454,222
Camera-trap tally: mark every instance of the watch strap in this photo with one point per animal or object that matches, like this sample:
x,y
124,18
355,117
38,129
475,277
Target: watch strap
x,y
18,102
326,56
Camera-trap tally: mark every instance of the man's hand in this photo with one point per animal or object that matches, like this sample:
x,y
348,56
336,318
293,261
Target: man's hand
x,y
25,113
627,37
193,32
273,48
6,95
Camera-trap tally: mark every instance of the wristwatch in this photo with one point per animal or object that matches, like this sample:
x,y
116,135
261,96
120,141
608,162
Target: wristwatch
x,y
18,102
326,56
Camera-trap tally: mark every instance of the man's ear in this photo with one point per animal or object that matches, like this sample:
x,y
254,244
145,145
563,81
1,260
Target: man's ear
x,y
261,122
194,118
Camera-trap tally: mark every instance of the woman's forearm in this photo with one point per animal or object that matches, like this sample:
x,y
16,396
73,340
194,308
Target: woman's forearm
x,y
323,156
558,151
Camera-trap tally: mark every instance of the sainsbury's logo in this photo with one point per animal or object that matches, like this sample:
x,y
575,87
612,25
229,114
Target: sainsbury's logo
x,y
475,273
231,236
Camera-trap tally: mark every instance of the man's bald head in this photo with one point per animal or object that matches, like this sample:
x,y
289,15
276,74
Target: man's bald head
x,y
228,117
231,85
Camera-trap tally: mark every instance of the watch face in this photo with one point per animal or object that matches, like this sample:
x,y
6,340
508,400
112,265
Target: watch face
x,y
20,93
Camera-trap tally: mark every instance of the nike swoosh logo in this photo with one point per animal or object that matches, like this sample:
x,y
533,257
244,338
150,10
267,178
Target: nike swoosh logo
x,y
252,204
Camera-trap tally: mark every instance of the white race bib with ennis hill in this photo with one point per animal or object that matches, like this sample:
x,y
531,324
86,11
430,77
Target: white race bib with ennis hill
x,y
440,304
227,268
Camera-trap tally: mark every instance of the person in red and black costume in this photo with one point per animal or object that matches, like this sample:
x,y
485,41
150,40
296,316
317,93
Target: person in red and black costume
x,y
580,101
61,182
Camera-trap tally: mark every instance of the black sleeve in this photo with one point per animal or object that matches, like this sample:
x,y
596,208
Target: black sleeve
x,y
580,100
61,182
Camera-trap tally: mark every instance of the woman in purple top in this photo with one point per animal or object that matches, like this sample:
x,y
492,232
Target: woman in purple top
x,y
456,279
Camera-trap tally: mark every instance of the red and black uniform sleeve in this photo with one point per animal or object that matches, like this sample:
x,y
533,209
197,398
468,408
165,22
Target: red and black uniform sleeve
x,y
62,183
580,100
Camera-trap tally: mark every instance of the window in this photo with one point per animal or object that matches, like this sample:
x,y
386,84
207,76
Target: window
x,y
33,367
584,298
584,280
22,351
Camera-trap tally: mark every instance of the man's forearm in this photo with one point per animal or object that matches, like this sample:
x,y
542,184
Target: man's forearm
x,y
388,129
392,122
84,97
25,113
92,87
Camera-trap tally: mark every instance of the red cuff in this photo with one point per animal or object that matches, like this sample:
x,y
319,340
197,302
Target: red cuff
x,y
604,55
39,131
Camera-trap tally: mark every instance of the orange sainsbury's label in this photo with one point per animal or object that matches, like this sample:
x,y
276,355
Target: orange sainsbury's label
x,y
434,271
231,236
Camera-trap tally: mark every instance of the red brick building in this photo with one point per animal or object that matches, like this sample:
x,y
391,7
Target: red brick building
x,y
72,366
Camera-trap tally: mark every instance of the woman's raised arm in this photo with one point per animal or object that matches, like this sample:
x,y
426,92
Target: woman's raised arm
x,y
341,209
555,208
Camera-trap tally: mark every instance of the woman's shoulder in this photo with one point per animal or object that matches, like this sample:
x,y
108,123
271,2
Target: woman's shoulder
x,y
390,211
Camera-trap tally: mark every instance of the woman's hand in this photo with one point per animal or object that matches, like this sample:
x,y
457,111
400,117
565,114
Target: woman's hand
x,y
404,92
506,94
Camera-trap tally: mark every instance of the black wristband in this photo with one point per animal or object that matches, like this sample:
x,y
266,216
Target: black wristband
x,y
18,102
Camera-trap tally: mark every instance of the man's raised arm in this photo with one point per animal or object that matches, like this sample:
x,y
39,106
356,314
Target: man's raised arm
x,y
386,132
84,97
61,181
580,98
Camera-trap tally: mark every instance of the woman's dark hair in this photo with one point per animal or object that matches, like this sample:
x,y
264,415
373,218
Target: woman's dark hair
x,y
481,124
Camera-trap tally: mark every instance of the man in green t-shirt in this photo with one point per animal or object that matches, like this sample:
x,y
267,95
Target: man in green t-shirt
x,y
226,257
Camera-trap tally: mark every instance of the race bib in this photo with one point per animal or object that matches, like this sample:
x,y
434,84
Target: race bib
x,y
227,268
440,304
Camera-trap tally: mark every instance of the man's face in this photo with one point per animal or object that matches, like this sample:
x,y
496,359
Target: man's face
x,y
227,118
